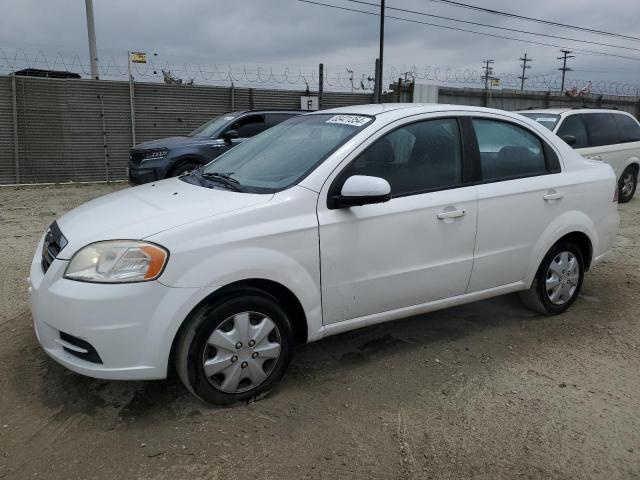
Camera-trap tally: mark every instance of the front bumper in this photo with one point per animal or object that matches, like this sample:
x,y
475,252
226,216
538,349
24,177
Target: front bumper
x,y
131,326
138,174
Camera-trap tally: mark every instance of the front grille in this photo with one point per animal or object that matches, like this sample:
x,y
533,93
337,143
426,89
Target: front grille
x,y
135,157
54,242
91,355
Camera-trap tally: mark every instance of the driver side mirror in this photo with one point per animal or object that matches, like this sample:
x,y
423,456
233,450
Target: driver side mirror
x,y
362,190
569,139
230,135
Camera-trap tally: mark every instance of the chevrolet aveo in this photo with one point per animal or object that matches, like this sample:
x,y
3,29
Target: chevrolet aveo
x,y
325,223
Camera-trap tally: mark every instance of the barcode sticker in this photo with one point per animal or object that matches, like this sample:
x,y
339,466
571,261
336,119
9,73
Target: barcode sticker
x,y
354,120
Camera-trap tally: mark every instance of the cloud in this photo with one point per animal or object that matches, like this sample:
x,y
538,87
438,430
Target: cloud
x,y
288,33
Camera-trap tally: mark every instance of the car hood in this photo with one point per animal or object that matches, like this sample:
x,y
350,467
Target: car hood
x,y
139,212
168,142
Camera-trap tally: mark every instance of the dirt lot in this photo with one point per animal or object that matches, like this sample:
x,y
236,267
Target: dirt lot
x,y
488,390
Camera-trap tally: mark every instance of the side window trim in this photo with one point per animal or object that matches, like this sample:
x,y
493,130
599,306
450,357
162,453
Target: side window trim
x,y
340,178
551,160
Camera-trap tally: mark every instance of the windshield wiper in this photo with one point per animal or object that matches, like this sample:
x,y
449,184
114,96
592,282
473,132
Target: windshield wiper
x,y
225,178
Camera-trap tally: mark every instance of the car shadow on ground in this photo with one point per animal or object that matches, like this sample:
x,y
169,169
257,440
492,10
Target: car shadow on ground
x,y
69,393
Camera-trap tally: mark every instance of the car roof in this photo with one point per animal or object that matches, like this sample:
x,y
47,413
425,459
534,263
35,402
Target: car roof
x,y
570,111
406,109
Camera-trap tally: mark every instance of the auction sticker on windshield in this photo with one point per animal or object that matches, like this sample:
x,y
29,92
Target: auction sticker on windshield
x,y
355,120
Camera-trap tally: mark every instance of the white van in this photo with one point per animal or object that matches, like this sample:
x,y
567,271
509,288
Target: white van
x,y
612,136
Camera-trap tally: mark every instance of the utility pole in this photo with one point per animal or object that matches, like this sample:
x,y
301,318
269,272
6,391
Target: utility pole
x,y
565,69
488,72
91,31
524,66
380,68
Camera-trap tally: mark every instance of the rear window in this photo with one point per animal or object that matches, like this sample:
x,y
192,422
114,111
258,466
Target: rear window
x,y
602,128
628,128
545,119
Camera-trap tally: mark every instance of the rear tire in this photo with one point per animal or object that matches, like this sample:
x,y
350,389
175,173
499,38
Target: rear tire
x,y
184,168
627,184
558,280
236,349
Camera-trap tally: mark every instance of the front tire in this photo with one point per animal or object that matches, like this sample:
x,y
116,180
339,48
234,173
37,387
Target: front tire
x,y
184,168
627,184
558,281
235,349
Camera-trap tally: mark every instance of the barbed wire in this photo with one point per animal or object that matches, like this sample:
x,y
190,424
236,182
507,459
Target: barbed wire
x,y
339,78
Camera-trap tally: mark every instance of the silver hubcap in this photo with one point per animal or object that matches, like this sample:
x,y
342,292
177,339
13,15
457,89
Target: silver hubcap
x,y
242,352
627,184
562,278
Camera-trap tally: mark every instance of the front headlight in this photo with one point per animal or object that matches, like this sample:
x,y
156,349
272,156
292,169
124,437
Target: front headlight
x,y
117,261
154,154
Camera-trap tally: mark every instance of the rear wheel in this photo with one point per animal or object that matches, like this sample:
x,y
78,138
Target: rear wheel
x,y
627,184
184,168
236,349
558,280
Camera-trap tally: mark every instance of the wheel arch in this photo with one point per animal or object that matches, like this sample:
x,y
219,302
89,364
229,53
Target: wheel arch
x,y
281,293
573,226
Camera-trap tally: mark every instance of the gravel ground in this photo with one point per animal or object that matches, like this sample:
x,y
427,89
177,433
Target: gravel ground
x,y
488,390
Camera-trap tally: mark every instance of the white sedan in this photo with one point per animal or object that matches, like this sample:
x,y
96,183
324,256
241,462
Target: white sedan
x,y
325,223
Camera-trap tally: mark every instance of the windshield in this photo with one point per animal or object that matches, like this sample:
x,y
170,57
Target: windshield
x,y
280,156
212,126
545,119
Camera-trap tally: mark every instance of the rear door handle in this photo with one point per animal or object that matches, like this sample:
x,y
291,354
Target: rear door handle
x,y
451,214
553,196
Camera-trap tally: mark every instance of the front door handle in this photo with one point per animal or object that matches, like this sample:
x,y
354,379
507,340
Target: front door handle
x,y
553,195
451,214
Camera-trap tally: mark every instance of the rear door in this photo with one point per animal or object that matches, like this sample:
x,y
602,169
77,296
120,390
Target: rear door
x,y
413,249
520,192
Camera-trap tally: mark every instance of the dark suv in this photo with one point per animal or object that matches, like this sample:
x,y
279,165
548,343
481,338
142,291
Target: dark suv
x,y
169,157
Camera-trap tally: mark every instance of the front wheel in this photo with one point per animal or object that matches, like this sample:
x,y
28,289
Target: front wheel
x,y
235,349
627,184
184,168
558,280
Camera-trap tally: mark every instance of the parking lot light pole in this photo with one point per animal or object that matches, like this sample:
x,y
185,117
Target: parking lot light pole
x,y
91,31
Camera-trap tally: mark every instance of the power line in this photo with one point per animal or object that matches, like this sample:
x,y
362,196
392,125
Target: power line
x,y
468,22
536,20
486,34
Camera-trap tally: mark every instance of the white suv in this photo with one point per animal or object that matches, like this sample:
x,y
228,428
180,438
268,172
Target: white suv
x,y
612,136
325,223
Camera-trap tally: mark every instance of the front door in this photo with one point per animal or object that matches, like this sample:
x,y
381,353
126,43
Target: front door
x,y
413,249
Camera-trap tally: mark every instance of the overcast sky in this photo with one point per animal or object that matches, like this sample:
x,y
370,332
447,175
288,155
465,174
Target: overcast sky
x,y
287,34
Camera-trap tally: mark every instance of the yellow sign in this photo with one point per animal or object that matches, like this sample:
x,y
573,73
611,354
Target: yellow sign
x,y
495,82
138,57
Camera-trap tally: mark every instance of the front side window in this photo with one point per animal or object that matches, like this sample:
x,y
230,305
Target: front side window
x,y
507,150
249,126
602,129
628,128
213,127
574,126
280,156
421,156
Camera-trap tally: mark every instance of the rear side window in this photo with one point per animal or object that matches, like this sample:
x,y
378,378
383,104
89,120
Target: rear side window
x,y
418,157
602,129
628,128
574,126
250,125
508,151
